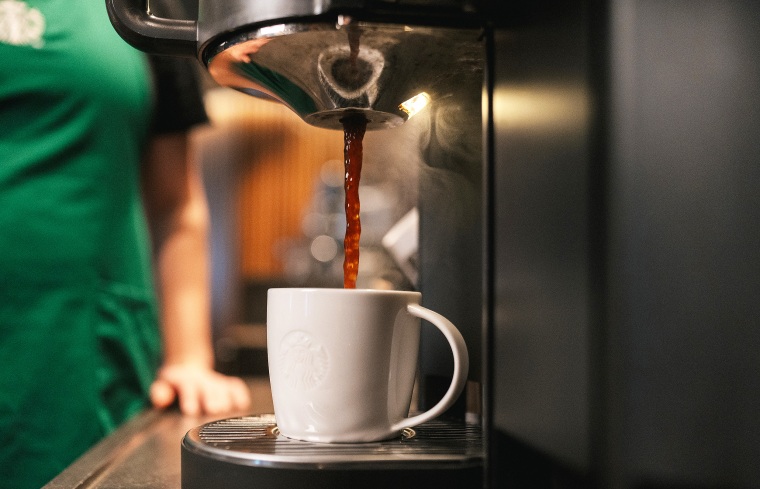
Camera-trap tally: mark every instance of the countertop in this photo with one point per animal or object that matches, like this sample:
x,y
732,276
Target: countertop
x,y
145,452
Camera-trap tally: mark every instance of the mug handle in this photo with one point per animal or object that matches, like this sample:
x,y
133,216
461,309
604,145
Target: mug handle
x,y
461,366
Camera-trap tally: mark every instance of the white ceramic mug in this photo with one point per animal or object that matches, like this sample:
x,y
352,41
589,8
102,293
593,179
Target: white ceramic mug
x,y
342,362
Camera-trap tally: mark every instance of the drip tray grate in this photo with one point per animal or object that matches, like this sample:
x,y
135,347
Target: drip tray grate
x,y
255,440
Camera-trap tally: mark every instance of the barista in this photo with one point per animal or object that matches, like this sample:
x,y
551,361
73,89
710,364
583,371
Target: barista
x,y
100,214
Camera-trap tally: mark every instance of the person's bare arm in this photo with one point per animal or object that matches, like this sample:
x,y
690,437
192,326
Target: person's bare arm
x,y
178,216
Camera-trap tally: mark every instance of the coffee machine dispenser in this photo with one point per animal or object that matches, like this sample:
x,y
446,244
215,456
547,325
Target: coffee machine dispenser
x,y
603,232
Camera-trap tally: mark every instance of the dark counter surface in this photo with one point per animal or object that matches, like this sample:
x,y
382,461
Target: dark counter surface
x,y
145,452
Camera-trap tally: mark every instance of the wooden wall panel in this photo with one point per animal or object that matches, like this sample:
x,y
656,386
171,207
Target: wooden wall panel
x,y
280,157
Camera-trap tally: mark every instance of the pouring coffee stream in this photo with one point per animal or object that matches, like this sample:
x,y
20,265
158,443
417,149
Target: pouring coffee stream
x,y
354,128
351,72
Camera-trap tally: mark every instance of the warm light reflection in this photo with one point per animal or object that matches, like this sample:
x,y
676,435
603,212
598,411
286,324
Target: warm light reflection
x,y
415,104
555,106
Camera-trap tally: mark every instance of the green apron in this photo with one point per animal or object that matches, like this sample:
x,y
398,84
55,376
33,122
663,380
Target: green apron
x,y
79,343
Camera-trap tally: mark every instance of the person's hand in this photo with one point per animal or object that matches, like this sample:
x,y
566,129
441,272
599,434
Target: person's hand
x,y
199,390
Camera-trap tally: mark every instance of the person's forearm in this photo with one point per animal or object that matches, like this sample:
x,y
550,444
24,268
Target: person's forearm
x,y
178,215
183,281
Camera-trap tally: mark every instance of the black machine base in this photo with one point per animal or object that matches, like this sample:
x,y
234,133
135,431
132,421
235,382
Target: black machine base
x,y
248,452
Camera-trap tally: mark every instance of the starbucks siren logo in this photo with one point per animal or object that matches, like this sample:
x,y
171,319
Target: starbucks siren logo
x,y
20,24
305,361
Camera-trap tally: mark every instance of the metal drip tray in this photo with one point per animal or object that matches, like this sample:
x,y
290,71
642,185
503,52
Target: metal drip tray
x,y
247,451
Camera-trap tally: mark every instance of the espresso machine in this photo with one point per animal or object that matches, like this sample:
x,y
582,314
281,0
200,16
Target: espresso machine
x,y
382,62
588,217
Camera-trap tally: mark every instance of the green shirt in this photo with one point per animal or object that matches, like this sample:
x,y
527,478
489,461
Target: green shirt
x,y
79,343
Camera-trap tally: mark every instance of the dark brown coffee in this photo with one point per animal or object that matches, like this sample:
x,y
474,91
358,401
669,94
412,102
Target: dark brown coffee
x,y
353,133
